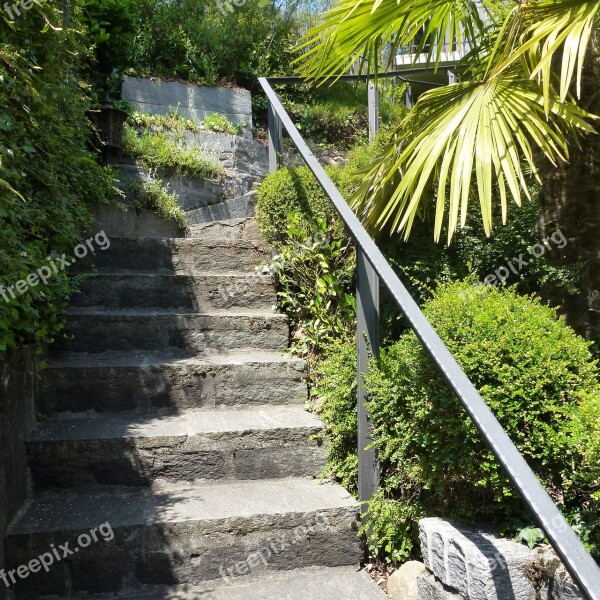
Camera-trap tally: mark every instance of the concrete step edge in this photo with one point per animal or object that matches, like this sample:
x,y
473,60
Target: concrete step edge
x,y
206,423
214,502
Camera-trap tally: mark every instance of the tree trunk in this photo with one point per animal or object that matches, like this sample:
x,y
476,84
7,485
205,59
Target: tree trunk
x,y
571,202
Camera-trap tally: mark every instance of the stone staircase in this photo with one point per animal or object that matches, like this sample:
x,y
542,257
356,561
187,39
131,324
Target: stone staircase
x,y
176,458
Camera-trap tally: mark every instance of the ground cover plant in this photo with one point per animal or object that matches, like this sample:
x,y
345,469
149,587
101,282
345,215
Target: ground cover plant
x,y
175,121
159,151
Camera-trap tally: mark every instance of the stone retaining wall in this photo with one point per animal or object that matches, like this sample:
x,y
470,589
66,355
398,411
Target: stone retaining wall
x,y
17,419
194,102
467,563
245,162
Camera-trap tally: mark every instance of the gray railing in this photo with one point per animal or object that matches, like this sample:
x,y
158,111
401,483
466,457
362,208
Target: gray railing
x,y
372,270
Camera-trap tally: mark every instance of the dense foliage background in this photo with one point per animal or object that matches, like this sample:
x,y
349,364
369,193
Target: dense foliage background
x,y
202,41
48,177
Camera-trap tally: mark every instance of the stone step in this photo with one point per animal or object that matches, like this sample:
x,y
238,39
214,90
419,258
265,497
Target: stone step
x,y
186,256
312,583
230,230
194,292
242,207
93,331
171,381
258,443
182,534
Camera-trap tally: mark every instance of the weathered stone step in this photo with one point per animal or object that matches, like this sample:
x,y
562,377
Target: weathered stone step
x,y
229,230
91,330
194,292
178,255
184,534
312,583
257,443
172,381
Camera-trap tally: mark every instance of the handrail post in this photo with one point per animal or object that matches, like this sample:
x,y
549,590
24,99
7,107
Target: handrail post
x,y
373,109
275,139
409,97
367,339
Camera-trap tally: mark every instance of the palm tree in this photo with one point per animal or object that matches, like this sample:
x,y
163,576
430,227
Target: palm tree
x,y
523,107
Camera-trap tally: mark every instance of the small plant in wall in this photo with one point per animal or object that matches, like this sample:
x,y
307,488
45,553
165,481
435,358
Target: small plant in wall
x,y
221,124
530,536
152,194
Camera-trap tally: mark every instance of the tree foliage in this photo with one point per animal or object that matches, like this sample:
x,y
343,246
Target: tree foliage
x,y
514,105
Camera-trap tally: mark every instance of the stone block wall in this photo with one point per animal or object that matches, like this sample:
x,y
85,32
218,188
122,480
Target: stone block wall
x,y
18,380
467,563
194,102
245,163
244,160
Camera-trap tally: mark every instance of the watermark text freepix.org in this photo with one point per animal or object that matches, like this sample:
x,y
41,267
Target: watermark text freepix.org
x,y
55,554
14,10
54,265
274,547
518,263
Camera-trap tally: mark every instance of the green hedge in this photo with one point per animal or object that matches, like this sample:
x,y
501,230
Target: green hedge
x,y
292,190
539,379
48,177
535,373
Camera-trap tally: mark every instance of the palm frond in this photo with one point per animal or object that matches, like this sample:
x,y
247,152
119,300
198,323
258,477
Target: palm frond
x,y
355,30
490,129
547,29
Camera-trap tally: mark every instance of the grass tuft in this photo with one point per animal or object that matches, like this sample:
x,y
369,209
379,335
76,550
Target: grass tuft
x,y
157,151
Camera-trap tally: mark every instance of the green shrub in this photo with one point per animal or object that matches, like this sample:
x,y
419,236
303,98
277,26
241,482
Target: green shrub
x,y
538,378
334,393
392,530
155,196
157,151
48,177
208,42
292,190
314,269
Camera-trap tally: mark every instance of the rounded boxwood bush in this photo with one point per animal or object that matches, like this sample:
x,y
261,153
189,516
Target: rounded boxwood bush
x,y
292,190
539,379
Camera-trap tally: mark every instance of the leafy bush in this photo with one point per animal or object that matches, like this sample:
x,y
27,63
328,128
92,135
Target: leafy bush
x,y
334,395
48,177
292,190
109,26
538,378
155,196
314,268
157,151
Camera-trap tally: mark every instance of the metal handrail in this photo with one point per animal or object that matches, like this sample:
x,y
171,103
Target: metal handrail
x,y
372,268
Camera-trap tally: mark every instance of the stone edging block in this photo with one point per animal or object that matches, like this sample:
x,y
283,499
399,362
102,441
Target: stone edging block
x,y
479,565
